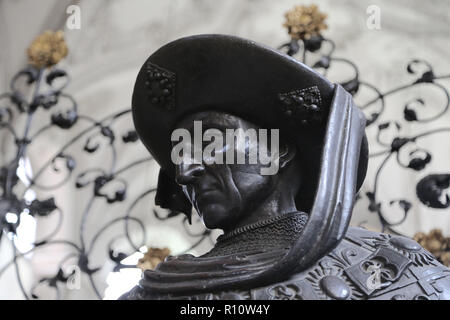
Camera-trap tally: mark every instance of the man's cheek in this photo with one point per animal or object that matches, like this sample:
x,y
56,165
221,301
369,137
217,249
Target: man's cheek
x,y
246,168
248,180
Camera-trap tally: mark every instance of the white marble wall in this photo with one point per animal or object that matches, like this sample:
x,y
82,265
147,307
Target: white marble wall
x,y
117,36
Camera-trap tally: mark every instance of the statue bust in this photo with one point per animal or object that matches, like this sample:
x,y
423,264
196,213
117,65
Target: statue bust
x,y
285,220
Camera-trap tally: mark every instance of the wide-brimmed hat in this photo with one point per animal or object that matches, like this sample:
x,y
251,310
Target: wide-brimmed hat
x,y
240,77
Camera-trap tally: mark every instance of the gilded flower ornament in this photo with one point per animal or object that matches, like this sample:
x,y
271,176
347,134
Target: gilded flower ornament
x,y
436,243
304,22
152,258
47,49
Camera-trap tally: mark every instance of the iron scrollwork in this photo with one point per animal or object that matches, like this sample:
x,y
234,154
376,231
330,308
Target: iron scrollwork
x,y
107,184
432,189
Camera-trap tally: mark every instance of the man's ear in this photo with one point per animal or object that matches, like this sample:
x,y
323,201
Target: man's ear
x,y
287,153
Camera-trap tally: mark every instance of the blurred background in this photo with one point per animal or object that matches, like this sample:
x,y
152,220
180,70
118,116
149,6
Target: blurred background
x,y
86,242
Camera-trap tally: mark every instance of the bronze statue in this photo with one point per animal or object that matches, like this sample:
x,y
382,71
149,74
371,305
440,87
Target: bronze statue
x,y
286,235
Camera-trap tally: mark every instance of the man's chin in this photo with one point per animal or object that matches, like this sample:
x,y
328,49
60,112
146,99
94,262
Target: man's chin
x,y
215,216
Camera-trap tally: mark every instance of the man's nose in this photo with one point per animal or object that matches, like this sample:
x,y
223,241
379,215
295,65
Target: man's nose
x,y
187,173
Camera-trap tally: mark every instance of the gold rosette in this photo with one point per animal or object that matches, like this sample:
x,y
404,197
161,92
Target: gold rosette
x,y
303,22
47,49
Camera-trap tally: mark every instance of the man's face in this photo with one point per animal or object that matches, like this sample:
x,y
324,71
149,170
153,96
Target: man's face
x,y
223,194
